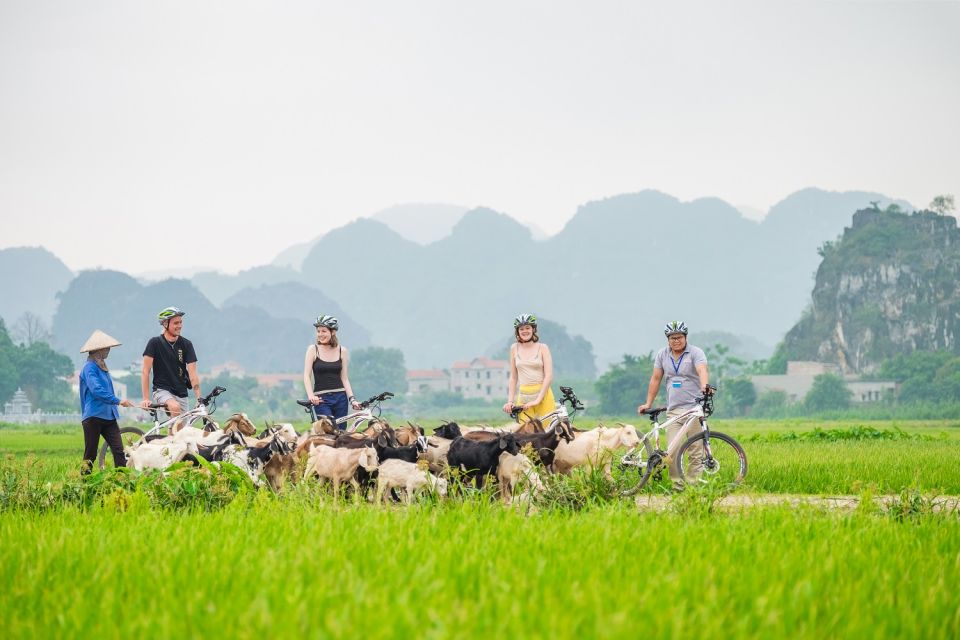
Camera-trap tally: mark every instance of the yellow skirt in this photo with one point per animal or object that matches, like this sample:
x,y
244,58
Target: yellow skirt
x,y
529,393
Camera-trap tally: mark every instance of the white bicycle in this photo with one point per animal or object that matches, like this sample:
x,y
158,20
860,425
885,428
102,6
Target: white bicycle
x,y
369,412
710,456
131,436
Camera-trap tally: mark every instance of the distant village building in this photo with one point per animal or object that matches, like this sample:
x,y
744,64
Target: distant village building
x,y
480,378
283,380
798,380
19,405
19,410
483,378
231,368
426,380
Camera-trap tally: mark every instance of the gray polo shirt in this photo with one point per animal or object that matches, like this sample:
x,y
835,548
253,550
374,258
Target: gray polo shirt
x,y
680,374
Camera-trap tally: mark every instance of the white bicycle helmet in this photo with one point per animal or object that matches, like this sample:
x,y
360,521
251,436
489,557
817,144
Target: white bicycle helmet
x,y
525,318
675,327
327,321
168,313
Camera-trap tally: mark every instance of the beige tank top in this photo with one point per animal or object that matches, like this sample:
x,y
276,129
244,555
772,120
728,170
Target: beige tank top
x,y
529,371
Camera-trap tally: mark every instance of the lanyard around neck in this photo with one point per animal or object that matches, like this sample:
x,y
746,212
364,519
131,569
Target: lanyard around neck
x,y
677,363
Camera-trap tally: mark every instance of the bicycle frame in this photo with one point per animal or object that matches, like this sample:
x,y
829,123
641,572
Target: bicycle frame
x,y
560,413
363,415
557,416
687,418
190,417
632,457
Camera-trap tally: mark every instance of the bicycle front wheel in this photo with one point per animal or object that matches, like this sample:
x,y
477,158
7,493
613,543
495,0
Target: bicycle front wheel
x,y
713,459
128,435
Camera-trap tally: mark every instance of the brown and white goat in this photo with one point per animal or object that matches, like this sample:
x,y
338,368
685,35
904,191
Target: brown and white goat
x,y
339,465
400,474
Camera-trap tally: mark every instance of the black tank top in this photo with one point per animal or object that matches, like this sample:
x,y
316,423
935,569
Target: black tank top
x,y
326,375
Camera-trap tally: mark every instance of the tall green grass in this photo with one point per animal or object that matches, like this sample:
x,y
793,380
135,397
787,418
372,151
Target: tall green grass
x,y
187,555
274,568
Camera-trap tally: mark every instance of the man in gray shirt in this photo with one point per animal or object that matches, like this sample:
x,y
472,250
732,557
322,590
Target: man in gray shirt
x,y
687,378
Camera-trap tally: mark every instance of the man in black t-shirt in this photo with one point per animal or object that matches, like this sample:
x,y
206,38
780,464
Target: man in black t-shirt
x,y
173,362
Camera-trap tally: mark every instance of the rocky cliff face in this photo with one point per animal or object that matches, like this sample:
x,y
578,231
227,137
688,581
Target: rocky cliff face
x,y
889,285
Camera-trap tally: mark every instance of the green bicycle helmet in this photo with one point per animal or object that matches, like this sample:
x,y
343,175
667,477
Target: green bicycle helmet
x,y
327,321
675,327
524,318
168,313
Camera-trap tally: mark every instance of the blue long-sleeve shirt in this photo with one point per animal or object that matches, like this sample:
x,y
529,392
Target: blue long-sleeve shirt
x,y
97,397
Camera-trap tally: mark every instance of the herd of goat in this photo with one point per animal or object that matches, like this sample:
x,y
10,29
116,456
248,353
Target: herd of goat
x,y
392,461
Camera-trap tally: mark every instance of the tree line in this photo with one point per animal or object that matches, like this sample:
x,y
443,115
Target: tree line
x,y
929,379
29,363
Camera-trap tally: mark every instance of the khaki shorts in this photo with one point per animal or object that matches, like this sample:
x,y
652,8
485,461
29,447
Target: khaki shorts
x,y
160,396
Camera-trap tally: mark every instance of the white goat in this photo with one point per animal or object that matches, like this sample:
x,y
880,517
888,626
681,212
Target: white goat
x,y
339,465
400,474
517,471
151,455
594,448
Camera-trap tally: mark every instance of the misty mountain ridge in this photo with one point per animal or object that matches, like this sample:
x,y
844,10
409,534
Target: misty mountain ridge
x,y
127,310
30,278
618,269
421,223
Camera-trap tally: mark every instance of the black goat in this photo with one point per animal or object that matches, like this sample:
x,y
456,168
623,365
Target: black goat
x,y
215,452
545,444
450,431
480,459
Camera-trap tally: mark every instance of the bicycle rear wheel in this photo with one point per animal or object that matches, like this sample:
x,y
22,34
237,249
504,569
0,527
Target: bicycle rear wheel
x,y
641,462
716,460
128,435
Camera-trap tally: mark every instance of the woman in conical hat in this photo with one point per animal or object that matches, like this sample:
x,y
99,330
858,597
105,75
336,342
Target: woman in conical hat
x,y
99,402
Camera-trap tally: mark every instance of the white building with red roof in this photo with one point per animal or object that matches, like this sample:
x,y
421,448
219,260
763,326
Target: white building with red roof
x,y
480,378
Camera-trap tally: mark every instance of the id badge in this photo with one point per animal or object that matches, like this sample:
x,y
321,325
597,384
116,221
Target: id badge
x,y
676,382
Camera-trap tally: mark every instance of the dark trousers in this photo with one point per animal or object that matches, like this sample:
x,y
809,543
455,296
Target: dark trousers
x,y
335,405
93,428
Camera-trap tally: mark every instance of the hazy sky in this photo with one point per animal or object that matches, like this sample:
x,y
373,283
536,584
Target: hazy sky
x,y
145,135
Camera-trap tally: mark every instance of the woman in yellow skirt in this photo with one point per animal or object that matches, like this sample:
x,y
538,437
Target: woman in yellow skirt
x,y
531,366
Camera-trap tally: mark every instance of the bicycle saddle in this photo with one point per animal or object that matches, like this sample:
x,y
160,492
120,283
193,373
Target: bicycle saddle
x,y
653,413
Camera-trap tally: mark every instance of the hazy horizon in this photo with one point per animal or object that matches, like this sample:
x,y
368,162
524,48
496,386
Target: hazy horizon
x,y
125,127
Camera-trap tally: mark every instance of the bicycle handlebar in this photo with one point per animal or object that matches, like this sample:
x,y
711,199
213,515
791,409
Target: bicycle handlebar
x,y
571,397
568,396
210,396
386,395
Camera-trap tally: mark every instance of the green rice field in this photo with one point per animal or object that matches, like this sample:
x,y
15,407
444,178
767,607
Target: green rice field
x,y
196,556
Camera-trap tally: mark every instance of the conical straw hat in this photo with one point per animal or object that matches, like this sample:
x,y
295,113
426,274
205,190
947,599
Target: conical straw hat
x,y
98,340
